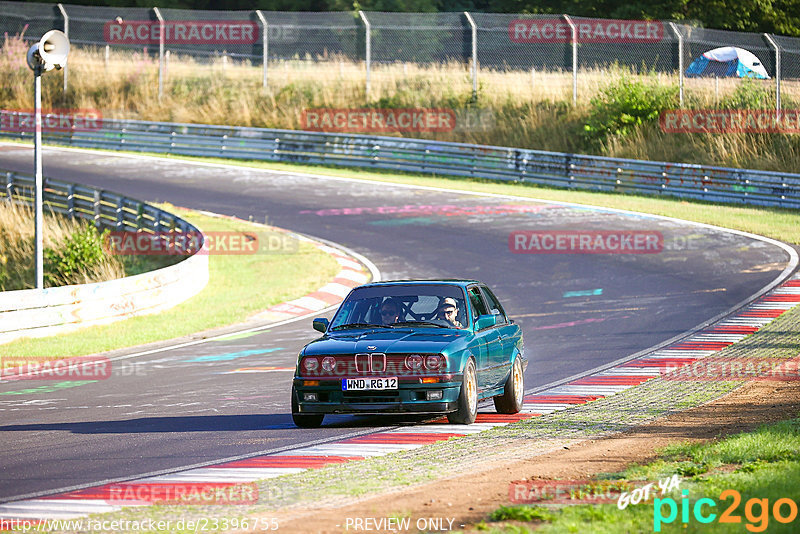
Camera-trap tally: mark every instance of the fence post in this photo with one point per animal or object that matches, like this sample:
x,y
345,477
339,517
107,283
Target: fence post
x,y
574,59
368,52
777,73
66,32
474,55
264,46
679,35
161,37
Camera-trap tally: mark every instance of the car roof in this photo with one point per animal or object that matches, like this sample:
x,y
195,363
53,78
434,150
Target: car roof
x,y
446,281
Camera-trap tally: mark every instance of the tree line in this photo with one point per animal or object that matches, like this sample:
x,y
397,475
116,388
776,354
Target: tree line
x,y
772,16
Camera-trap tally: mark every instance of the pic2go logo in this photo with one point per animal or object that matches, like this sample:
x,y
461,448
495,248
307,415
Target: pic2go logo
x,y
756,511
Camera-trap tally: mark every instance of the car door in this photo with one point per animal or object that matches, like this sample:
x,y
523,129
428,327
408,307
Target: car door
x,y
507,338
488,341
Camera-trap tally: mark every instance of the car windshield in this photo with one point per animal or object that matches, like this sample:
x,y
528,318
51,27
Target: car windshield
x,y
425,305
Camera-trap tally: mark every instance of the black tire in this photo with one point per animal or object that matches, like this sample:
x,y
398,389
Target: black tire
x,y
304,420
511,399
467,398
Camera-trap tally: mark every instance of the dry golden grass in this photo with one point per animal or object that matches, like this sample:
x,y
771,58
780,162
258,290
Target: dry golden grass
x,y
17,270
514,108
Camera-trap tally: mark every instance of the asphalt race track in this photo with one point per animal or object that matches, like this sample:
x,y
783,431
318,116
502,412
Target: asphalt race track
x,y
188,406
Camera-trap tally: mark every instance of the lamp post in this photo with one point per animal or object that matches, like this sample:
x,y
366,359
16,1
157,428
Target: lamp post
x,y
49,53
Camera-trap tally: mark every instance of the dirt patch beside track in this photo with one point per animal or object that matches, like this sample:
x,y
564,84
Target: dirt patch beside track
x,y
469,497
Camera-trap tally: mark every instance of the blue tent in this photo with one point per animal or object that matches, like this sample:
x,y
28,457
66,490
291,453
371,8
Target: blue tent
x,y
727,62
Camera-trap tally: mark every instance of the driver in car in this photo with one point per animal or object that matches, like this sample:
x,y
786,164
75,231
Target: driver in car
x,y
390,311
448,311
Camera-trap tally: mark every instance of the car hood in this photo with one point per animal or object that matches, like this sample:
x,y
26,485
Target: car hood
x,y
384,340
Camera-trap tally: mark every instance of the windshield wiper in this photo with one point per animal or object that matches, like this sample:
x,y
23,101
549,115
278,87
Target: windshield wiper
x,y
360,325
425,323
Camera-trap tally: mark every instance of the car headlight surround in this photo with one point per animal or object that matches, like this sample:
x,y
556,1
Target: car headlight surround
x,y
310,364
434,362
328,363
413,361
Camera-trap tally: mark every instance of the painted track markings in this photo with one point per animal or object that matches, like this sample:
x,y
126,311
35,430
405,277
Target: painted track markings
x,y
696,347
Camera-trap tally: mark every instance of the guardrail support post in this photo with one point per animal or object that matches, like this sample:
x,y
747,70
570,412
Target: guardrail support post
x,y
777,72
264,46
66,32
161,40
474,55
679,35
9,184
574,40
120,213
368,50
96,205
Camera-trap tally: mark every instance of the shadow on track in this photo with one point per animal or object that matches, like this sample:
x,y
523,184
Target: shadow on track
x,y
206,423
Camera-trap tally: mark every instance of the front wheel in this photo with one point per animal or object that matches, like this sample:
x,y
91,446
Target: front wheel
x,y
304,420
467,398
511,399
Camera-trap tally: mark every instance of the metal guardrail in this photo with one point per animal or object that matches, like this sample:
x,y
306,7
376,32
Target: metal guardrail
x,y
103,208
55,310
700,182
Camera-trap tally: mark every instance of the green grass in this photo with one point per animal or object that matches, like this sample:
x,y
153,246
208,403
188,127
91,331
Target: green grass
x,y
239,286
763,464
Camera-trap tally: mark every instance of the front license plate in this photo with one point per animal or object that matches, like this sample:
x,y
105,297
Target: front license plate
x,y
366,384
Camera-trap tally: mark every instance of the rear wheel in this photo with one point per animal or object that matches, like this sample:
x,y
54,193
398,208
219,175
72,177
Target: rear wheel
x,y
511,399
467,398
304,420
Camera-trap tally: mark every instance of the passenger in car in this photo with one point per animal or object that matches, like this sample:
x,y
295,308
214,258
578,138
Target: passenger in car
x,y
390,311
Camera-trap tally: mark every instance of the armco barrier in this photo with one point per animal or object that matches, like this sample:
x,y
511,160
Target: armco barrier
x,y
716,184
35,313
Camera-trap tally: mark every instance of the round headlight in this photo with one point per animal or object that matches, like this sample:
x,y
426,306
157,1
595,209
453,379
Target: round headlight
x,y
310,364
434,361
328,363
413,361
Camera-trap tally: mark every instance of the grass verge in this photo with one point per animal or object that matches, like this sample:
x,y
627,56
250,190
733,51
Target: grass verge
x,y
616,113
239,285
744,475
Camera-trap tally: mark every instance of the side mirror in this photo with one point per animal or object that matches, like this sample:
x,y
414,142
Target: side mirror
x,y
320,324
485,321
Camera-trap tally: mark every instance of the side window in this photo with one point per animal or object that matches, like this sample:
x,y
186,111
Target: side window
x,y
478,307
494,306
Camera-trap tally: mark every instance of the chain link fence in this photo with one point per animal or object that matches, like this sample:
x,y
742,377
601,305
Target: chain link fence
x,y
555,57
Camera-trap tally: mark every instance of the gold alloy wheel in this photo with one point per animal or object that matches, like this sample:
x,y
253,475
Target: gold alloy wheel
x,y
472,391
518,381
